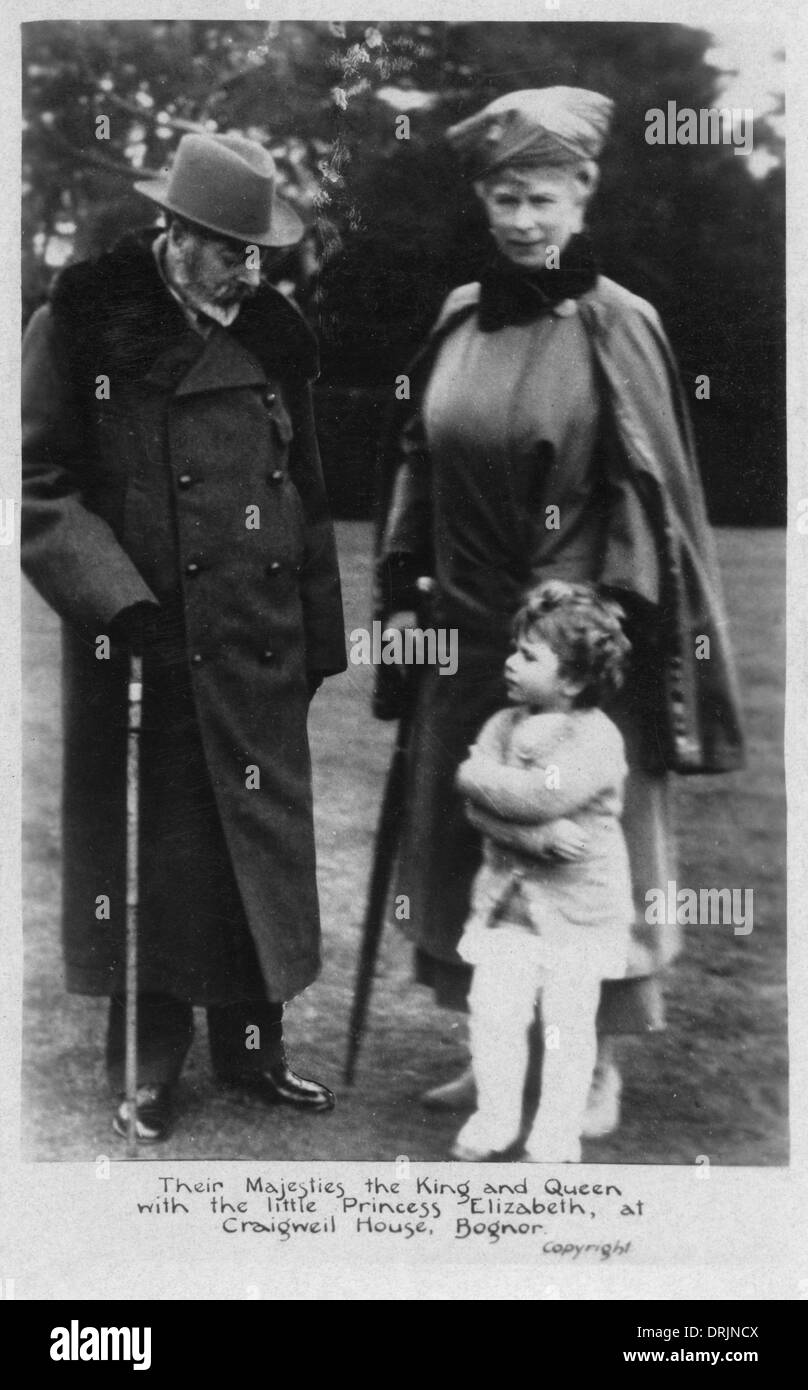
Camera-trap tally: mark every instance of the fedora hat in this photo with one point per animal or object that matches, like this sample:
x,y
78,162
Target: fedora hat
x,y
226,183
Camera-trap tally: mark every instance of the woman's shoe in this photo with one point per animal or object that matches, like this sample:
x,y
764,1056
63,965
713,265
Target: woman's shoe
x,y
153,1107
460,1094
603,1103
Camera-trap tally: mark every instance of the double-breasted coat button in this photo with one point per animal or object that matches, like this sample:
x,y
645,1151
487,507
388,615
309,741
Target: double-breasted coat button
x,y
267,656
276,476
192,567
196,659
274,567
184,480
269,398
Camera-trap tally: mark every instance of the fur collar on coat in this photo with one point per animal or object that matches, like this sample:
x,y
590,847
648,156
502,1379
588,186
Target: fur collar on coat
x,y
118,317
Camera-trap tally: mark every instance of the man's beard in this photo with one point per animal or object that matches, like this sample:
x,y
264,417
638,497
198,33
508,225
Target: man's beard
x,y
182,268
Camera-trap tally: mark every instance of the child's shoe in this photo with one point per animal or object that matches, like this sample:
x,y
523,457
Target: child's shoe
x,y
466,1153
567,1152
479,1141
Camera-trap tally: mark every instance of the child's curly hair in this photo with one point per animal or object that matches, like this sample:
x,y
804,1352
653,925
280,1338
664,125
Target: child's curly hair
x,y
585,632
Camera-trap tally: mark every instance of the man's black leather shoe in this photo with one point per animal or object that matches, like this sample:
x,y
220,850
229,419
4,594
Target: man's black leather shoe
x,y
279,1085
154,1114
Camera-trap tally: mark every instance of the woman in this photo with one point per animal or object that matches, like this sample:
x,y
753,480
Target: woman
x,y
547,436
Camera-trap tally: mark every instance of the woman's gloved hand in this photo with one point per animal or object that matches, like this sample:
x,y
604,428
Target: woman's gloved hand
x,y
403,621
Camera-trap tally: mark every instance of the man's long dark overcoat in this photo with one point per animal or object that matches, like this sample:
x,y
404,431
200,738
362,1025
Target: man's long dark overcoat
x,y
163,467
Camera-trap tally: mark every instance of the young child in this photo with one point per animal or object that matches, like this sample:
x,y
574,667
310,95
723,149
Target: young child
x,y
552,904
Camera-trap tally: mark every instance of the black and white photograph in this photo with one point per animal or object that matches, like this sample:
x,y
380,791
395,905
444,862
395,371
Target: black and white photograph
x,y
403,529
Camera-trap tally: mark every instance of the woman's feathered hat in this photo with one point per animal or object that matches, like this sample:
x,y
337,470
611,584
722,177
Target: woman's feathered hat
x,y
545,125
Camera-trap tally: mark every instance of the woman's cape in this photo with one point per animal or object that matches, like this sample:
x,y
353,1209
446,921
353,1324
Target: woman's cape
x,y
659,544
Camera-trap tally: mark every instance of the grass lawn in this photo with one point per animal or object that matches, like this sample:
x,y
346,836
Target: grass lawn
x,y
713,1084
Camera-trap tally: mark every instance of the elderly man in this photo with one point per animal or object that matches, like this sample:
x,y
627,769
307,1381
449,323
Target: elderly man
x,y
174,506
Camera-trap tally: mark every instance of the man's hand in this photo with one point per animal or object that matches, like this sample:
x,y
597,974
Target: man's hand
x,y
134,627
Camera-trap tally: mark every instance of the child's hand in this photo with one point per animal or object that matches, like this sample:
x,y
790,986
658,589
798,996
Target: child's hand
x,y
566,840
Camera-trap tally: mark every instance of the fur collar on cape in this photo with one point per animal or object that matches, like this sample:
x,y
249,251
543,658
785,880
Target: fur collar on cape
x,y
118,317
509,295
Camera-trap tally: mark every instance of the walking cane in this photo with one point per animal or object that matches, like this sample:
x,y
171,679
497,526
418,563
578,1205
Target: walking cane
x,y
134,711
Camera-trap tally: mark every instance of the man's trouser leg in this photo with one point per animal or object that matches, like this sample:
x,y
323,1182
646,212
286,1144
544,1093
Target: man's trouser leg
x,y
245,1037
165,1029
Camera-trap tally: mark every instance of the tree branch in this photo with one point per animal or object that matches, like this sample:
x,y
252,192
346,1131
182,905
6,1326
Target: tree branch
x,y
173,122
92,159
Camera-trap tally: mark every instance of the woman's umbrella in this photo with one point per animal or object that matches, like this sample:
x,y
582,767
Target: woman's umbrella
x,y
388,833
134,712
384,854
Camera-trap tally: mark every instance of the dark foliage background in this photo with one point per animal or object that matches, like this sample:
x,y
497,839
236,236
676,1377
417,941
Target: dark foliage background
x,y
393,225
